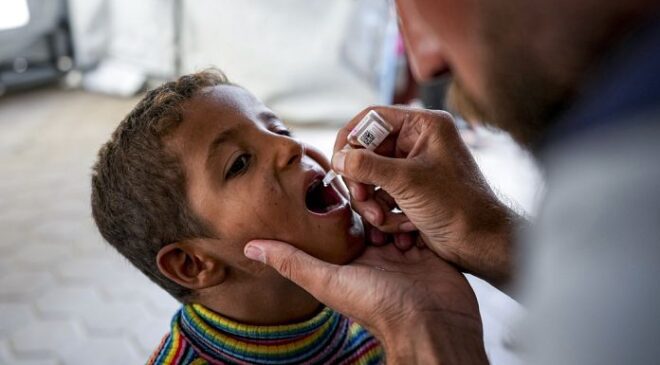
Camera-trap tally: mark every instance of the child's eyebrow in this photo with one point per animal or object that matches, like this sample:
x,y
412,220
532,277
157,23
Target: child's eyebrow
x,y
221,138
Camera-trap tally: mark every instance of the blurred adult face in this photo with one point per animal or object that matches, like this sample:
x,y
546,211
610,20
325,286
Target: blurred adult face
x,y
489,48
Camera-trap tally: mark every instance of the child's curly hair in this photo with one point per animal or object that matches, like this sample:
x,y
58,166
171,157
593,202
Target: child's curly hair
x,y
138,187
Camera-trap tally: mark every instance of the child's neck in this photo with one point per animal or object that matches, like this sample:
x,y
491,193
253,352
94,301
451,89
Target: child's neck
x,y
270,303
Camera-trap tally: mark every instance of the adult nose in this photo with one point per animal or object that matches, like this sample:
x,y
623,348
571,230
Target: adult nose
x,y
423,46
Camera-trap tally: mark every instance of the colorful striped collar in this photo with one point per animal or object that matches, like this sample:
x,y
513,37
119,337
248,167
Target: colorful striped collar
x,y
328,337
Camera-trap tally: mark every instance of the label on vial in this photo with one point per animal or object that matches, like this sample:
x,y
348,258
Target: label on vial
x,y
372,136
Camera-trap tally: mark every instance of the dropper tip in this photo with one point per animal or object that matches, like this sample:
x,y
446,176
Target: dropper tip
x,y
331,175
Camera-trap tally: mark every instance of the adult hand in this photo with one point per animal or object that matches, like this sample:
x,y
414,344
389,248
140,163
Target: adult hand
x,y
424,169
421,308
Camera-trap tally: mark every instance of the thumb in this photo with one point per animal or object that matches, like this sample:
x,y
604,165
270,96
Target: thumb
x,y
315,276
368,167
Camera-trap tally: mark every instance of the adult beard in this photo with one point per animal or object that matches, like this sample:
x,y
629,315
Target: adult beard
x,y
518,102
521,97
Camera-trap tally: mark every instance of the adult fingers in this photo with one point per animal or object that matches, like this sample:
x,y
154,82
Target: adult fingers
x,y
385,199
367,167
315,276
370,210
374,236
382,204
377,214
359,191
404,241
407,124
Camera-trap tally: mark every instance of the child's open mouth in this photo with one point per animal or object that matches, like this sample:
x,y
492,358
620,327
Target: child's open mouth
x,y
322,199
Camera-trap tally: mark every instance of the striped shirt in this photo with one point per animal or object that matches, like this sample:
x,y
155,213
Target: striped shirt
x,y
200,336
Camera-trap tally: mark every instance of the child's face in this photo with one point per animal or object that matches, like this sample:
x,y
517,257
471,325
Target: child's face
x,y
248,179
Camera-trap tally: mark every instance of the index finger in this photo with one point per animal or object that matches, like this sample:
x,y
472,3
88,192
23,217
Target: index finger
x,y
315,276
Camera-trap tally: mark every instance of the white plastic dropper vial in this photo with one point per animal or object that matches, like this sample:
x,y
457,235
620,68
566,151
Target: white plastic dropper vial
x,y
369,133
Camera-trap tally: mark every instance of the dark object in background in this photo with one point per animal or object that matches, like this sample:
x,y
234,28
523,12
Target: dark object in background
x,y
39,52
433,93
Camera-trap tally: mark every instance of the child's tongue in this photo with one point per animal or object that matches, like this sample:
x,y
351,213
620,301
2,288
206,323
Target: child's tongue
x,y
321,199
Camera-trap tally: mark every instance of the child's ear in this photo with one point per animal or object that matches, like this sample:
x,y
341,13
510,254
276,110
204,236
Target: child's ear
x,y
188,265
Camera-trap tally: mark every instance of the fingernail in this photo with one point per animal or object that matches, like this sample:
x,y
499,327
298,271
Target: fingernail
x,y
407,227
255,253
338,161
370,215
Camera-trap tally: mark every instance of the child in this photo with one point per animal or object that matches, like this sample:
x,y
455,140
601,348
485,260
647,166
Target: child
x,y
199,168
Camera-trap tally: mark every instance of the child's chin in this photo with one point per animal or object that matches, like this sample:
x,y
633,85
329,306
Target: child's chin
x,y
355,246
348,243
355,238
356,250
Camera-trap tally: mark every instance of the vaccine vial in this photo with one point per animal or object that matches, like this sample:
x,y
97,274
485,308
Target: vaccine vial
x,y
369,133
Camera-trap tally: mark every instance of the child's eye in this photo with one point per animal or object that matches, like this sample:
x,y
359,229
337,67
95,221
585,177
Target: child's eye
x,y
283,132
238,166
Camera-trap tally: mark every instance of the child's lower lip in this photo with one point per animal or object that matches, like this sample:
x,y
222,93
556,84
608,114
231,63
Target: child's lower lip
x,y
338,209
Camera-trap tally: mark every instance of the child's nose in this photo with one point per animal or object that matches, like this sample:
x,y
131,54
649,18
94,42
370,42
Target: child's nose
x,y
289,152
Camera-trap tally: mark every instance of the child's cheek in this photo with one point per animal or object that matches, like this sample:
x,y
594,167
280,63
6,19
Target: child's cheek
x,y
317,156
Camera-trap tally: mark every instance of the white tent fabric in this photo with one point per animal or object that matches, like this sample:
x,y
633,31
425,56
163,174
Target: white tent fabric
x,y
135,32
285,51
288,52
89,30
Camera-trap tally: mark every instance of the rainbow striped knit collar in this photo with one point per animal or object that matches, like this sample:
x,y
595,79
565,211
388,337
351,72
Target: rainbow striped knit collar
x,y
199,334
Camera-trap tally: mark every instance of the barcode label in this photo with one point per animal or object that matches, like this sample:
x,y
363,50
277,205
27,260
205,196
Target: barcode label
x,y
370,132
372,136
367,138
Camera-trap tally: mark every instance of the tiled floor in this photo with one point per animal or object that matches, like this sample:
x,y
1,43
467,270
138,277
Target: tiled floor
x,y
68,298
65,296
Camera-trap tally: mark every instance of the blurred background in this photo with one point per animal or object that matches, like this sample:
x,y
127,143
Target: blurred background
x,y
71,69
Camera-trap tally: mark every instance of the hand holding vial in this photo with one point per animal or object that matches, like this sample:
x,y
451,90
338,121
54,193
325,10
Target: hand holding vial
x,y
421,185
369,133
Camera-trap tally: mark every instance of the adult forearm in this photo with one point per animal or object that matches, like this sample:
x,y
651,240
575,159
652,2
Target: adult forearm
x,y
437,339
